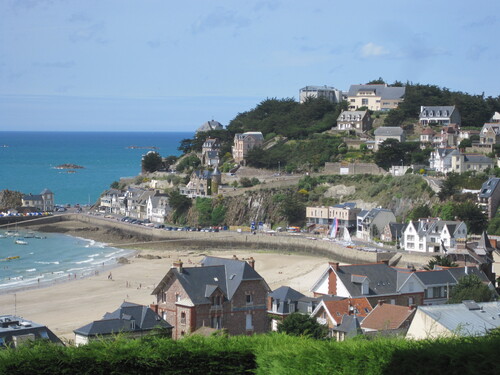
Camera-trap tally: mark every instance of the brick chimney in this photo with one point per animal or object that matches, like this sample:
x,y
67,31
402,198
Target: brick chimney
x,y
335,265
251,262
381,302
412,307
178,264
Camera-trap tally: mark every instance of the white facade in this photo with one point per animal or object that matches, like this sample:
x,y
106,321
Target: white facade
x,y
329,93
430,235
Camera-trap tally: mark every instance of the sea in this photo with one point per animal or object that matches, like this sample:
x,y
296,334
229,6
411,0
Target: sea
x,y
27,164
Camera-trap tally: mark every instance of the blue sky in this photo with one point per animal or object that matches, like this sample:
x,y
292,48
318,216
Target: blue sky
x,y
161,65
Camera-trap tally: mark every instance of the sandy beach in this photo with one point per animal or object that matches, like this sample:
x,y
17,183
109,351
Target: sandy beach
x,y
70,305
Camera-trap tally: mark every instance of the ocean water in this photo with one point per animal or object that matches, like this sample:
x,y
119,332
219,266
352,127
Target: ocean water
x,y
27,160
52,259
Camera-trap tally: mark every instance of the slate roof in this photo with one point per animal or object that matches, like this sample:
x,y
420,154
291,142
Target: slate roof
x,y
386,131
387,316
285,294
467,318
436,111
382,278
352,116
120,321
11,325
397,229
226,274
32,197
256,135
347,205
381,90
489,187
477,159
210,125
350,325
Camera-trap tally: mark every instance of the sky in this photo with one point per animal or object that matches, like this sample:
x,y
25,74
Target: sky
x,y
162,65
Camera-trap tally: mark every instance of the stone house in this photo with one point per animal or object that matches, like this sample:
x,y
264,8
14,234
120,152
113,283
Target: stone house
x,y
388,132
358,121
210,125
43,201
393,232
490,134
371,223
202,183
431,235
130,319
439,115
489,196
373,281
224,294
461,163
376,97
244,142
210,152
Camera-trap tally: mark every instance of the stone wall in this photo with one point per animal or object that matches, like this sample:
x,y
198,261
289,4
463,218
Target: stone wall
x,y
353,168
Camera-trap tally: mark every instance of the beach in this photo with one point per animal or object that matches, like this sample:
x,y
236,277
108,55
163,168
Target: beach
x,y
66,306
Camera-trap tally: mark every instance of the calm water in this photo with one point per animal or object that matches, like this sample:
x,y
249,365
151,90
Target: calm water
x,y
27,164
52,259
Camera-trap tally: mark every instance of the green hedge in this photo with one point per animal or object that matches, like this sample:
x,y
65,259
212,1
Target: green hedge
x,y
261,354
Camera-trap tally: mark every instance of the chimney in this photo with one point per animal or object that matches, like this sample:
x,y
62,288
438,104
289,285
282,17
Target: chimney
x,y
251,262
412,307
381,302
178,264
335,265
235,257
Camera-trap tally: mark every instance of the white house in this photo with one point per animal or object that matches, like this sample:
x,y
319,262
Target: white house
x,y
432,235
439,115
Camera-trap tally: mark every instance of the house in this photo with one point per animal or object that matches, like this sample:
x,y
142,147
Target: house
x,y
14,331
210,125
388,132
433,235
349,327
243,143
210,152
489,196
358,121
377,97
43,201
345,213
386,318
130,319
223,294
462,319
158,208
440,159
371,223
490,134
495,117
439,115
461,163
326,92
449,136
438,282
427,137
281,303
202,183
373,281
110,201
330,312
393,232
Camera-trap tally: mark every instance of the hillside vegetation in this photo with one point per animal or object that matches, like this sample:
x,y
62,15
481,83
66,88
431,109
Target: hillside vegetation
x,y
260,354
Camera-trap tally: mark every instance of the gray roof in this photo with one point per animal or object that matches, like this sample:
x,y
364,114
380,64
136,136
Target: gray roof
x,y
256,135
381,90
392,131
352,115
350,325
467,318
477,159
210,125
318,88
120,321
11,325
436,277
285,295
489,187
397,229
436,111
226,274
32,197
348,205
46,191
382,279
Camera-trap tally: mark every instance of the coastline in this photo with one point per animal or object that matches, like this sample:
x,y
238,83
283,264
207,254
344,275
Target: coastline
x,y
68,305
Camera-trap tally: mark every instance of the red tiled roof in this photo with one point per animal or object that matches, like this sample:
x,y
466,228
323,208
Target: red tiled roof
x,y
339,308
387,316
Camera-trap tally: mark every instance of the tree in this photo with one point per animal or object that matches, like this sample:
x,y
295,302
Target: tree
x,y
392,152
298,324
151,162
379,81
293,209
472,215
470,287
419,212
450,186
178,201
438,260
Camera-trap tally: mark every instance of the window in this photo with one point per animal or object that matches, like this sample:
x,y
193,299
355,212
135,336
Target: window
x,y
249,299
249,322
177,297
132,324
183,317
216,322
216,301
410,301
364,101
291,307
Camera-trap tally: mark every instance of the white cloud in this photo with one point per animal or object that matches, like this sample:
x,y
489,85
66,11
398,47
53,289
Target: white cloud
x,y
373,50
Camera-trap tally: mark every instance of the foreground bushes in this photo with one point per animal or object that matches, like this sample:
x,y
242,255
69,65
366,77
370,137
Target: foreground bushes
x,y
263,354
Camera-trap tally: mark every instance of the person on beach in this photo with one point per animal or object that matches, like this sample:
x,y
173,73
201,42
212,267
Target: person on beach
x,y
110,277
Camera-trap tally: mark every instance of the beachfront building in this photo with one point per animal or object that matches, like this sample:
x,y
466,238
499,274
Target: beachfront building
x,y
325,92
223,293
323,217
281,303
371,223
158,208
433,235
376,97
130,320
16,331
110,201
202,183
42,202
